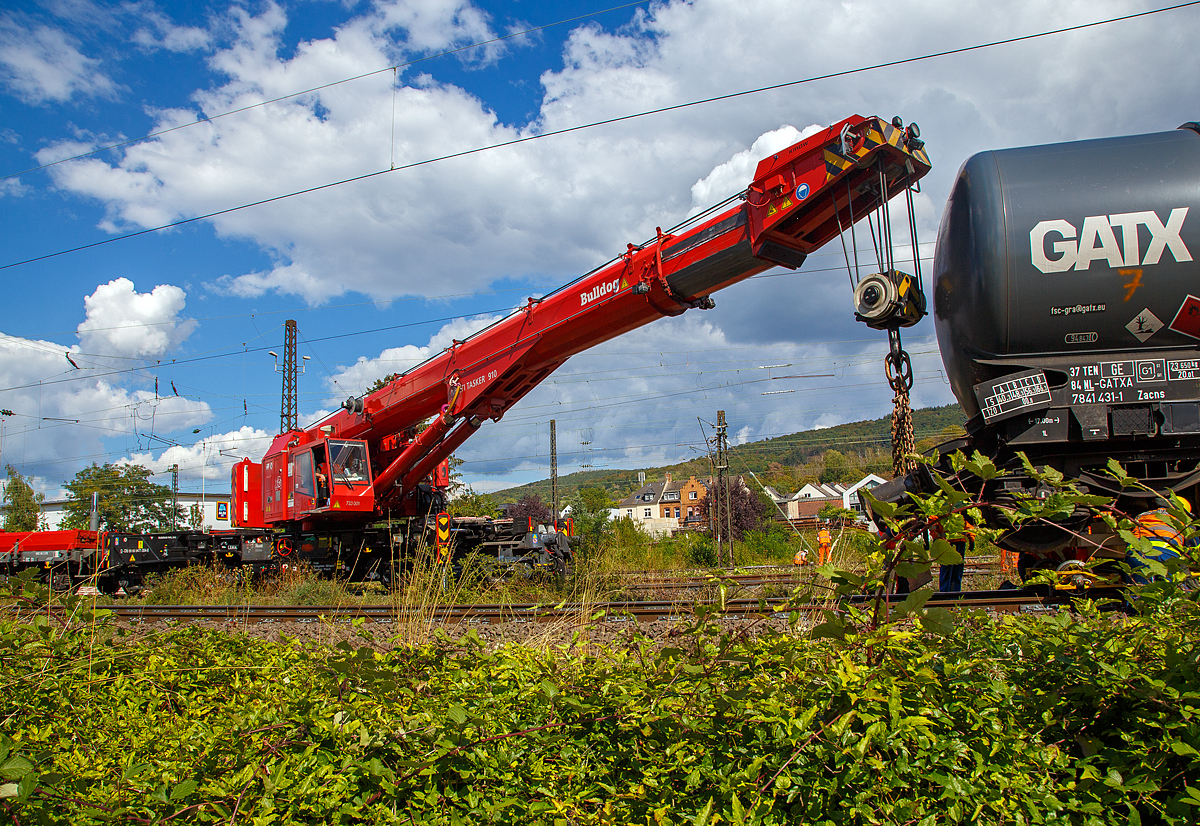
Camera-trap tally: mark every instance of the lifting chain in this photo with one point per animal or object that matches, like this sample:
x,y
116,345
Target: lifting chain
x,y
898,367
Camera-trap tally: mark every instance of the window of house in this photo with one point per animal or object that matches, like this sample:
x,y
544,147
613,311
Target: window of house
x,y
691,511
629,513
673,496
647,513
691,494
677,513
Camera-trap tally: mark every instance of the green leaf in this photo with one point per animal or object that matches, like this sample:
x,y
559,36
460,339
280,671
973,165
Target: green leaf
x,y
938,621
1182,749
944,553
883,509
912,603
704,814
831,629
15,767
184,789
911,570
8,790
458,714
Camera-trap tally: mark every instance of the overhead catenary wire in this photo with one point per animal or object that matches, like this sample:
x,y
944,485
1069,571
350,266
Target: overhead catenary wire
x,y
604,122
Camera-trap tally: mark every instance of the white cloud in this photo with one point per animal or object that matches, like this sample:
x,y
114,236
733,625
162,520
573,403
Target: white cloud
x,y
550,208
732,176
210,459
437,25
124,323
160,32
65,416
40,63
356,378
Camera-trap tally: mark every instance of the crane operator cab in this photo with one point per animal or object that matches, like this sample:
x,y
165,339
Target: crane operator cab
x,y
331,475
304,476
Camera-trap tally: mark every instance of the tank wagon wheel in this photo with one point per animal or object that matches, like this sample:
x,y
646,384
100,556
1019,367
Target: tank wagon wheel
x,y
108,586
132,586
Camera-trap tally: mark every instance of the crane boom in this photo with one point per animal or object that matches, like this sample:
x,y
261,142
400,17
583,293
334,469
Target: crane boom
x,y
368,459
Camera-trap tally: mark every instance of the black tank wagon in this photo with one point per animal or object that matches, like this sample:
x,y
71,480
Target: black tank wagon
x,y
1066,299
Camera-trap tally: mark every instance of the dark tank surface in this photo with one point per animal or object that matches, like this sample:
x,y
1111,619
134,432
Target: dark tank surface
x,y
1064,279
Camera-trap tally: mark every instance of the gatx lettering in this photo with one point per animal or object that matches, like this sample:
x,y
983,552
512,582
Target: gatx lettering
x,y
1098,241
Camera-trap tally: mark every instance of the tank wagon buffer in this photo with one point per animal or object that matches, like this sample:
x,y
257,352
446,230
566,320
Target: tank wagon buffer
x,y
1067,307
320,488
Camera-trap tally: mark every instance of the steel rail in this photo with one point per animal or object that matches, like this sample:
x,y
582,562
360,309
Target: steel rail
x,y
1022,601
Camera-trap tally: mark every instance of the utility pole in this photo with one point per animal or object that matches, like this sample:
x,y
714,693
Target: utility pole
x,y
722,465
287,410
554,473
174,496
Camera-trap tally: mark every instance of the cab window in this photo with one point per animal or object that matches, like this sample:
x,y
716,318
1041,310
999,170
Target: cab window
x,y
302,474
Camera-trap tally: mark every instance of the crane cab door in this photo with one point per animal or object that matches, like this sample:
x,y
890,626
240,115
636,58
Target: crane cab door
x,y
304,482
331,478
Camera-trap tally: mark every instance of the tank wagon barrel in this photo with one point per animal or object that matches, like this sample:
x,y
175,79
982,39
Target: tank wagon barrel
x,y
1066,300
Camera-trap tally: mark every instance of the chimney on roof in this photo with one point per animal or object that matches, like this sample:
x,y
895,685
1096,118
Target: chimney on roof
x,y
668,478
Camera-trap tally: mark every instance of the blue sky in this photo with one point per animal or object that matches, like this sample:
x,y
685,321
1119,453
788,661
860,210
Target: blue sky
x,y
383,272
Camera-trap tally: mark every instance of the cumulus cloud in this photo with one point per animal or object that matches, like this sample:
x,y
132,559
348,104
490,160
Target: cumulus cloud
x,y
732,176
554,207
39,63
160,32
356,378
66,416
122,322
210,459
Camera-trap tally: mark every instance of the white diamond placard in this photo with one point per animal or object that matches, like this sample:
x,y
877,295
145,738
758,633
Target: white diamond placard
x,y
1144,325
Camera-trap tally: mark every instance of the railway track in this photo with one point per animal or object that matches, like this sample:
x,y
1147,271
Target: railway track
x,y
1023,601
789,576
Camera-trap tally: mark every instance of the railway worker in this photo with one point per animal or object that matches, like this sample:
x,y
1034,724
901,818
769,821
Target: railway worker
x,y
322,486
1162,529
801,557
824,546
950,576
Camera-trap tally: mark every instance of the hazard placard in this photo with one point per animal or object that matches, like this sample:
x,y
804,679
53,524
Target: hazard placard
x,y
1187,320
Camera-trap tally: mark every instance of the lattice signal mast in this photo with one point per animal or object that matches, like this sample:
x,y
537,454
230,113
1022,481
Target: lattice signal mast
x,y
287,410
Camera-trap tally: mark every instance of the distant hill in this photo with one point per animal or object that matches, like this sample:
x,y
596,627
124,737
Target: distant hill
x,y
870,440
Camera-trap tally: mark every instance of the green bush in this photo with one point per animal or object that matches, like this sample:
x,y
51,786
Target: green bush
x,y
1063,718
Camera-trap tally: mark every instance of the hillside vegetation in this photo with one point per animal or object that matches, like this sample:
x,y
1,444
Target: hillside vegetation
x,y
784,462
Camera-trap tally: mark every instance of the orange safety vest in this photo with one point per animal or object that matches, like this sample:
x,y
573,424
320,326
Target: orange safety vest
x,y
824,537
1157,525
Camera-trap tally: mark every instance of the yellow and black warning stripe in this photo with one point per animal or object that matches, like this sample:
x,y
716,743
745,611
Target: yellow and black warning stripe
x,y
878,134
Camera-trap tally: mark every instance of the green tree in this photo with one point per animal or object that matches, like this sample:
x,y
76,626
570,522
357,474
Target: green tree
x,y
590,515
834,512
129,501
196,517
837,468
469,503
23,507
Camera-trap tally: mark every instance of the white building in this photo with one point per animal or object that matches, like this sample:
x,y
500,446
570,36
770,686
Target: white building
x,y
214,507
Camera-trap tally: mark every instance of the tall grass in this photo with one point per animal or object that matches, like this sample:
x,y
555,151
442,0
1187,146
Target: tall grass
x,y
215,585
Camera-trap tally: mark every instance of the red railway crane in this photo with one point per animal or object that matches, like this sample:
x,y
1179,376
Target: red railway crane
x,y
368,461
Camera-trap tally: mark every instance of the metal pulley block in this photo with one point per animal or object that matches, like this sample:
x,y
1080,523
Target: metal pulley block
x,y
889,300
